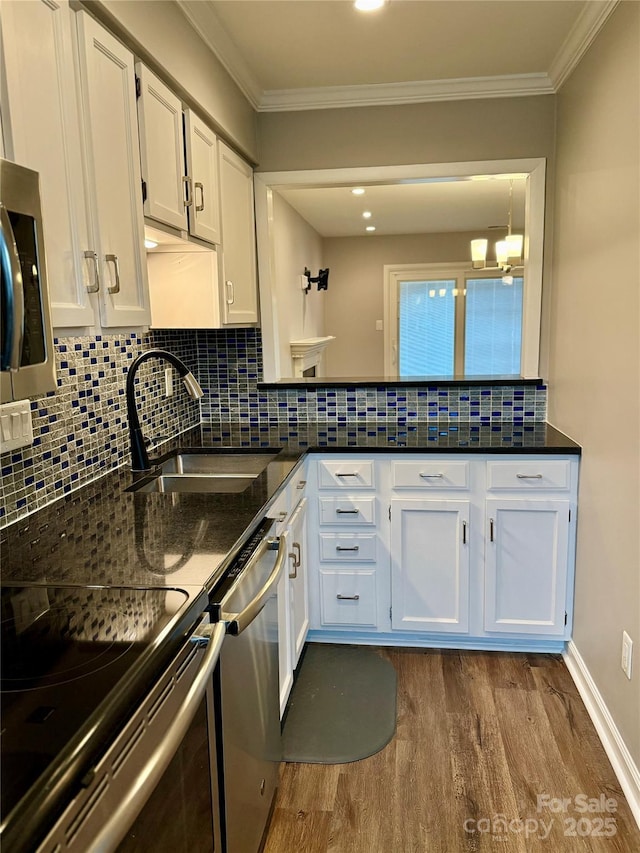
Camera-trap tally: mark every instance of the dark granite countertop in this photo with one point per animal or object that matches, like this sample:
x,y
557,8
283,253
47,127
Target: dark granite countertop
x,y
102,534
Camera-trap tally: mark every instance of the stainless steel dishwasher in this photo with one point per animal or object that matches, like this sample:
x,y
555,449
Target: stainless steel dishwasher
x,y
247,690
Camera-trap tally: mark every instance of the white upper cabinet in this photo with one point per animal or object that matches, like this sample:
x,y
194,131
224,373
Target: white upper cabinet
x,y
113,174
202,169
161,150
239,280
42,131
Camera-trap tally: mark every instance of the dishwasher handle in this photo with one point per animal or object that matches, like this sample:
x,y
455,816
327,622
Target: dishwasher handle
x,y
237,622
132,802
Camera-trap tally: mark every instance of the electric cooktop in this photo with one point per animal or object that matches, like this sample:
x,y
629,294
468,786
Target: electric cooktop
x,y
69,657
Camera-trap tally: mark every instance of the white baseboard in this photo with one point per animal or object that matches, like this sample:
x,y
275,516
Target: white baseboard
x,y
623,764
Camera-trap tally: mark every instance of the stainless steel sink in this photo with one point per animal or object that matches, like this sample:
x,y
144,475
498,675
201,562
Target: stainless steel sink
x,y
217,464
212,473
204,483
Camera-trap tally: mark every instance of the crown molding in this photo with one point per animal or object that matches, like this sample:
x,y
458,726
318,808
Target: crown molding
x,y
209,27
580,38
203,18
412,92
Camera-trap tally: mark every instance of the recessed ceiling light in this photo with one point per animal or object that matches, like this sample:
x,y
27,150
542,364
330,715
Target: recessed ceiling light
x,y
367,214
370,228
368,5
150,244
357,191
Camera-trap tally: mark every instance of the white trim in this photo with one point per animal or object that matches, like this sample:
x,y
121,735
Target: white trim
x,y
207,24
624,767
580,38
534,167
410,92
209,27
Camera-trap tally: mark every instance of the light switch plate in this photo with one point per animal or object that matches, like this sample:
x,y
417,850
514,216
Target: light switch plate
x,y
16,428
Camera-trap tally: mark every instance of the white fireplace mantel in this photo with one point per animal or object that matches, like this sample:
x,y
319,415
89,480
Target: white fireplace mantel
x,y
307,353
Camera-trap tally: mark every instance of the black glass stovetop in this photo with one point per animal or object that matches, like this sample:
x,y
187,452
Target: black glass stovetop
x,y
64,651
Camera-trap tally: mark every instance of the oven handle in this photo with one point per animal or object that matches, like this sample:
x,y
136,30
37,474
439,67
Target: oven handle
x,y
237,622
134,799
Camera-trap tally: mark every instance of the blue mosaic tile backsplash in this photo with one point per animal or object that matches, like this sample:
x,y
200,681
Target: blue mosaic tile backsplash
x,y
81,429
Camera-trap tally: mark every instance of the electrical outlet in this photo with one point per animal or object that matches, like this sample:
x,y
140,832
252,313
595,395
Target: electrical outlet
x,y
627,654
168,382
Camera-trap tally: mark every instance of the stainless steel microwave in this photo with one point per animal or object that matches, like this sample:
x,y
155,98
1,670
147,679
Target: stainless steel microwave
x,y
27,357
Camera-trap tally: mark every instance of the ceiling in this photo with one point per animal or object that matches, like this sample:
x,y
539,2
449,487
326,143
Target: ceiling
x,y
299,54
411,208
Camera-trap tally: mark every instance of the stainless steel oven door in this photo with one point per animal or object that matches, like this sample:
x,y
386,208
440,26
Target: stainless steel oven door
x,y
155,789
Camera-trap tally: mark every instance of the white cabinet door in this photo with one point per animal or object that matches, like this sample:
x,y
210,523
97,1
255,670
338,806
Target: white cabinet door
x,y
42,126
202,168
527,548
161,150
239,280
298,597
113,173
430,565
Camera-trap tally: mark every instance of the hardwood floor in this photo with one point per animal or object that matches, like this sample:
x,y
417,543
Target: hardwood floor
x,y
480,737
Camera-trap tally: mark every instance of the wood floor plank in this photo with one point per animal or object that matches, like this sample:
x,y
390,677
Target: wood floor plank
x,y
479,735
308,787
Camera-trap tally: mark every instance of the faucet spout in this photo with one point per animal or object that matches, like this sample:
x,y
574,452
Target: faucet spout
x,y
139,456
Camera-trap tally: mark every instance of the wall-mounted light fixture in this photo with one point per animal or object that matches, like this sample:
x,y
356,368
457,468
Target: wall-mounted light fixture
x,y
322,279
508,251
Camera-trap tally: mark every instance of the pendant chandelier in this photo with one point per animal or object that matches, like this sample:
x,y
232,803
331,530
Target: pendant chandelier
x,y
508,251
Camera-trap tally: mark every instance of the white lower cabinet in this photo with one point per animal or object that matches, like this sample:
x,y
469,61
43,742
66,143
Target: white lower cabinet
x,y
441,550
289,509
526,566
429,565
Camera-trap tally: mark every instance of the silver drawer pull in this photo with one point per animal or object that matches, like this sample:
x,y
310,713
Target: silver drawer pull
x,y
301,484
199,186
188,199
353,548
529,476
347,597
113,259
431,476
93,257
347,511
346,474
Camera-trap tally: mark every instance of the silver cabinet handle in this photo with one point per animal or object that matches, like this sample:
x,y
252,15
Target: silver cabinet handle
x,y
529,476
431,476
199,186
113,259
93,257
491,530
347,597
239,621
301,484
131,803
352,548
282,515
188,200
464,532
14,295
231,297
347,511
295,556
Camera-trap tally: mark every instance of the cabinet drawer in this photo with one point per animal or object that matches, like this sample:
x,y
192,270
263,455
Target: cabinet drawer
x,y
347,511
348,548
345,474
530,475
430,474
348,598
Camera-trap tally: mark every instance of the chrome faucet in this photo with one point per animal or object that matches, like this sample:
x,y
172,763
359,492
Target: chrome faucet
x,y
139,456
